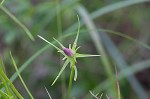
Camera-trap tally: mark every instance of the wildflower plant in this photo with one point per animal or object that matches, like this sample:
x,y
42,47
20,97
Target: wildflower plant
x,y
70,54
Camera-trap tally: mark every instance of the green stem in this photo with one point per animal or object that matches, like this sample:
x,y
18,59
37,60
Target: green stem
x,y
70,80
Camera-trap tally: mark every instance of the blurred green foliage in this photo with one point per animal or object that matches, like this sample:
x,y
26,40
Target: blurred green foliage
x,y
43,63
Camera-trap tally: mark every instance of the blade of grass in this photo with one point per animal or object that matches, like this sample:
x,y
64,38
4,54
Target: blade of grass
x,y
16,68
18,22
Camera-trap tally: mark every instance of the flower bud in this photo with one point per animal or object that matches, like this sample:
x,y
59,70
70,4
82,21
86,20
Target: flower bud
x,y
68,51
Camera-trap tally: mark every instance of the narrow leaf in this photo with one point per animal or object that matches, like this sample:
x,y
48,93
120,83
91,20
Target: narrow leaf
x,y
62,69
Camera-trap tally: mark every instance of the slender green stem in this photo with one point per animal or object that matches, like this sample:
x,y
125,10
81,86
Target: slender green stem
x,y
71,79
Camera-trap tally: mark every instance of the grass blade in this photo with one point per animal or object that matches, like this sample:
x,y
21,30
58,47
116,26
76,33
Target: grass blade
x,y
20,77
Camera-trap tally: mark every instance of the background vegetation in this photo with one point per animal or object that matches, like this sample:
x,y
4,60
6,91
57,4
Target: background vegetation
x,y
116,29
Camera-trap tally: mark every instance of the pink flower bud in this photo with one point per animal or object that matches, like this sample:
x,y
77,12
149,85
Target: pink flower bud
x,y
68,51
